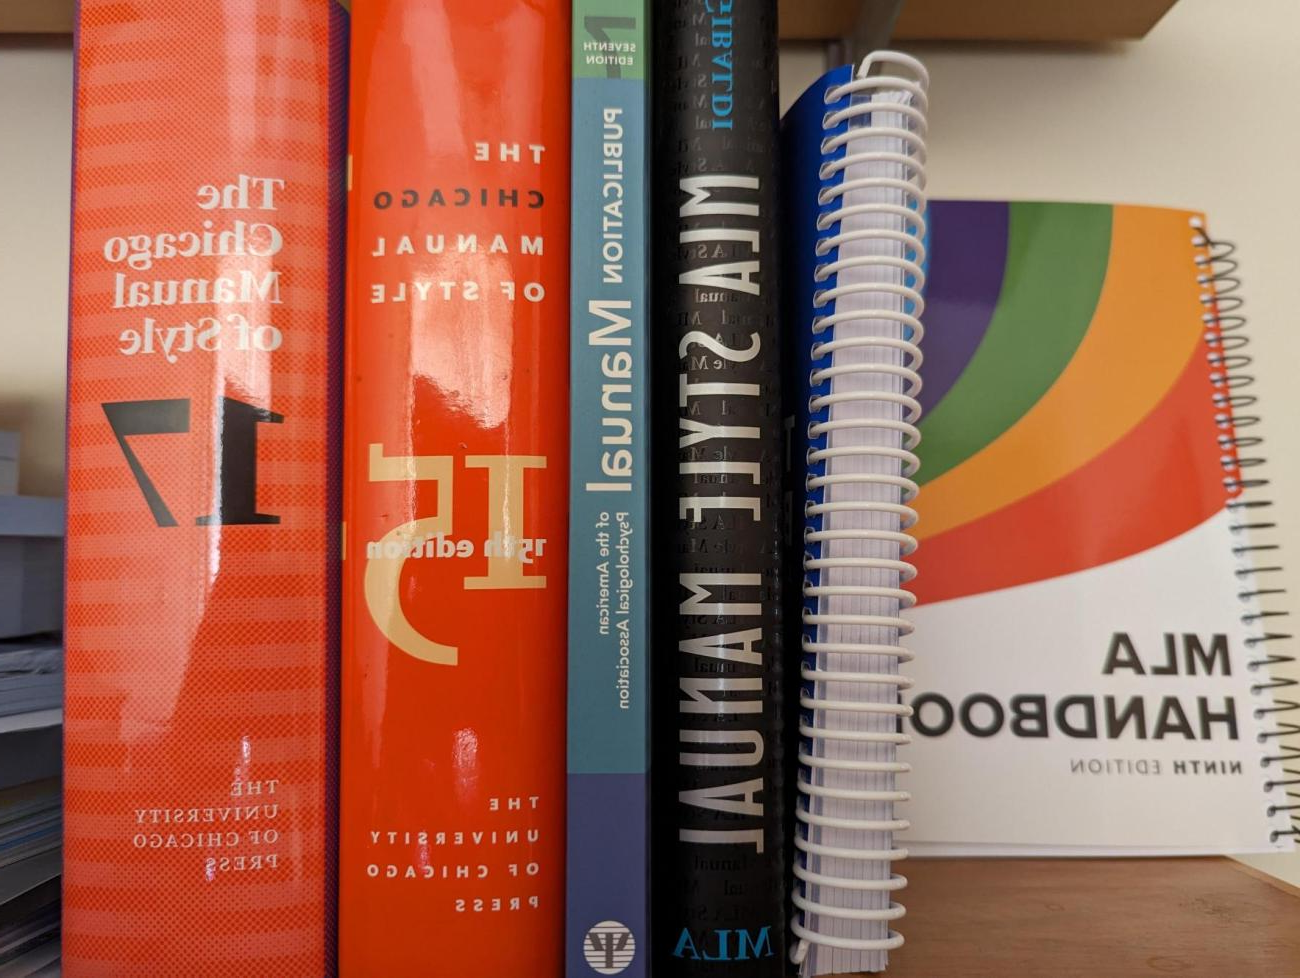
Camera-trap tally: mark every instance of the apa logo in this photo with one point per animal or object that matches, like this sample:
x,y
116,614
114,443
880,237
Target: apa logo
x,y
724,945
609,947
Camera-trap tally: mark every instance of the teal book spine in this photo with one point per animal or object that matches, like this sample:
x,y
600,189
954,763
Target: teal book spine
x,y
609,535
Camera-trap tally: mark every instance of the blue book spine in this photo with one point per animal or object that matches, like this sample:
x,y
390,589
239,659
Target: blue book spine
x,y
802,134
607,927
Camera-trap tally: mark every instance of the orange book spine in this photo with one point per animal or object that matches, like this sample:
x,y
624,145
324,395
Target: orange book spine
x,y
202,554
455,491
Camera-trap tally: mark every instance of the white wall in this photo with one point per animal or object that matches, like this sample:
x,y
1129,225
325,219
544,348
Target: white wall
x,y
35,167
1200,114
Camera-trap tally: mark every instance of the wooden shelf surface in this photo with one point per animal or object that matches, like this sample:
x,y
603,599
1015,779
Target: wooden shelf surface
x,y
1096,918
36,16
1058,21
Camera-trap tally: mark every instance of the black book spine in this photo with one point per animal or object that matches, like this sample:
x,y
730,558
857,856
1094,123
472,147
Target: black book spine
x,y
719,882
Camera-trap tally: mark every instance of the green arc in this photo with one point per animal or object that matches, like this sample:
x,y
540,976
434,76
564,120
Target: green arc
x,y
1056,265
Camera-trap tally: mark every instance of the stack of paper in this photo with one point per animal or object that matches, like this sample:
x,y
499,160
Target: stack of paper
x,y
31,836
31,675
31,819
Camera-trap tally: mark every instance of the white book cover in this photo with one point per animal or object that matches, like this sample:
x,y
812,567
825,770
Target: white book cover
x,y
1093,671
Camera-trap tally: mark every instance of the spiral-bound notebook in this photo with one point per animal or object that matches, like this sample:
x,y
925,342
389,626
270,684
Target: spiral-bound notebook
x,y
1094,672
855,206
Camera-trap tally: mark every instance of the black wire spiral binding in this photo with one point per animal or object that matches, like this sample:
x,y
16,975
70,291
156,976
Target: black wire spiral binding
x,y
1226,339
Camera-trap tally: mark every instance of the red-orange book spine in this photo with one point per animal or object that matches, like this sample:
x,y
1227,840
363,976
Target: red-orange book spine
x,y
456,491
202,553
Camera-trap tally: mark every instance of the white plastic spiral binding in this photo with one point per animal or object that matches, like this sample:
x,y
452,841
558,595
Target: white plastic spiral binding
x,y
1225,339
903,81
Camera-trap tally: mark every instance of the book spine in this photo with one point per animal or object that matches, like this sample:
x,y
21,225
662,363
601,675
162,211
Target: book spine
x,y
609,538
719,817
456,490
204,341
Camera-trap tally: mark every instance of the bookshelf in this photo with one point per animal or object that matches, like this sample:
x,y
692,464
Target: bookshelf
x,y
917,20
1027,918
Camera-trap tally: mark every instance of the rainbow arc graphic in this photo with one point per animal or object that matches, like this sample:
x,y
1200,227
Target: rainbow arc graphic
x,y
1069,417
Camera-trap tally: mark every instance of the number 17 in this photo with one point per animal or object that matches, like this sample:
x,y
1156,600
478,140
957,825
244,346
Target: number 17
x,y
236,468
